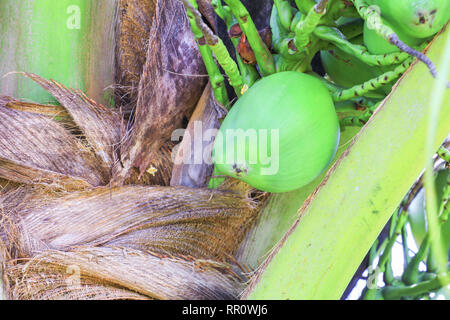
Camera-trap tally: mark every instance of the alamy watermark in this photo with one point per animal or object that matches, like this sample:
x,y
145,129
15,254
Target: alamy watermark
x,y
240,148
74,278
73,22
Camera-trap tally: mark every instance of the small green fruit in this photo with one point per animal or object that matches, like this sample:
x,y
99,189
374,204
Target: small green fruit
x,y
376,44
344,69
280,135
417,18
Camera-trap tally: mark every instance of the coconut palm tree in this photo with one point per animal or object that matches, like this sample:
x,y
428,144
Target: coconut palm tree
x,y
96,204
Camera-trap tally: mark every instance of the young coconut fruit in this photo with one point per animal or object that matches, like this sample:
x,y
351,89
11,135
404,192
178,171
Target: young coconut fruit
x,y
417,18
344,69
280,135
376,44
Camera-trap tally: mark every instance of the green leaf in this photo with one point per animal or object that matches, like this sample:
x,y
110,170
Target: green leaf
x,y
320,253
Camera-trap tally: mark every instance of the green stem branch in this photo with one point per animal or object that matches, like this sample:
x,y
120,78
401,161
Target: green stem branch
x,y
411,273
402,219
417,289
373,84
304,5
285,12
444,154
248,72
334,36
217,47
306,27
215,76
263,56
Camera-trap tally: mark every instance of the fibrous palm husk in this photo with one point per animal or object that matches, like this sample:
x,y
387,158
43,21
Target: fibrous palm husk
x,y
172,82
101,126
119,273
131,237
135,18
52,111
193,162
36,150
99,129
6,185
183,221
55,112
133,27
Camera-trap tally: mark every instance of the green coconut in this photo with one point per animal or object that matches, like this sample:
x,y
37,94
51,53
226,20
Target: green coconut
x,y
280,135
417,18
376,44
344,69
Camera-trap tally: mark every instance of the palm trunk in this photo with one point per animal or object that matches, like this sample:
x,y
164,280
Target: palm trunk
x,y
70,41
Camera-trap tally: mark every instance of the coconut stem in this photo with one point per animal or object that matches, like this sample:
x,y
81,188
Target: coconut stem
x,y
335,37
373,84
215,76
217,47
373,18
264,58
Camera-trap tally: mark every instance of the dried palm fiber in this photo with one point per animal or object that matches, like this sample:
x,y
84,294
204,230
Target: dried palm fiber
x,y
101,126
6,185
133,25
98,127
37,150
193,164
171,83
206,224
161,172
133,228
13,195
134,21
52,111
162,165
111,273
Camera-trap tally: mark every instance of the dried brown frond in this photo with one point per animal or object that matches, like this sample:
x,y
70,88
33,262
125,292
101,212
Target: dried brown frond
x,y
167,89
37,150
135,18
194,166
119,273
100,126
203,223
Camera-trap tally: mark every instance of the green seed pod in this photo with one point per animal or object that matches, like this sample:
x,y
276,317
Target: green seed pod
x,y
417,18
345,70
376,44
280,135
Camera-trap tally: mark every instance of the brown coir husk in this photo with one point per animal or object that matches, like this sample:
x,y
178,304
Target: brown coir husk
x,y
171,83
134,20
85,207
179,220
106,273
128,240
92,131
